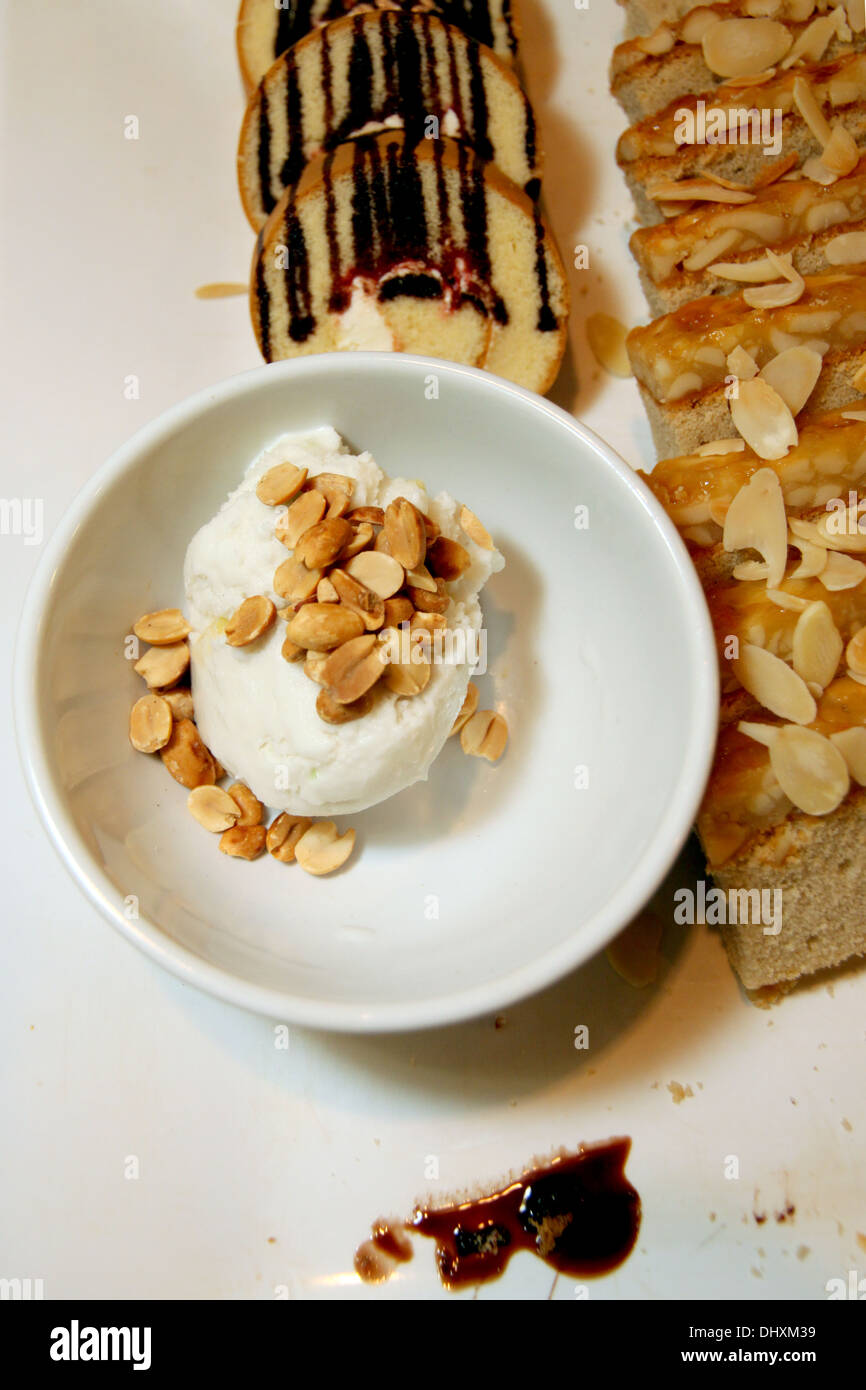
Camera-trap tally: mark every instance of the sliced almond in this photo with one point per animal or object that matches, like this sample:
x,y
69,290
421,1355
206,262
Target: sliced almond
x,y
280,484
793,375
323,626
294,581
695,190
337,490
813,558
776,296
812,42
364,536
322,543
807,105
427,602
467,709
352,669
250,809
817,646
606,337
332,711
741,364
355,595
163,666
745,273
854,10
407,535
773,684
751,571
325,592
858,415
283,836
150,723
448,559
304,512
735,445
213,808
320,850
840,154
715,247
763,419
409,677
815,169
756,520
855,653
843,530
244,841
179,702
744,47
847,249
484,735
851,743
791,603
254,617
660,41
842,572
374,515
186,757
380,573
810,770
761,733
162,629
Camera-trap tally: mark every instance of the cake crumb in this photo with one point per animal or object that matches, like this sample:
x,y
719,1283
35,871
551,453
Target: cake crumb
x,y
803,1252
861,1240
757,1273
846,1124
679,1092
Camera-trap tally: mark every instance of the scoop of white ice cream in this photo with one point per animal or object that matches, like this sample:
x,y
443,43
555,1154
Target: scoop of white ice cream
x,y
256,711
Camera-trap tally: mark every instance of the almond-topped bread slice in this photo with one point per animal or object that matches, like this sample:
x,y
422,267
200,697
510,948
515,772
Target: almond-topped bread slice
x,y
677,259
266,29
697,489
682,56
740,131
371,71
420,248
758,839
681,359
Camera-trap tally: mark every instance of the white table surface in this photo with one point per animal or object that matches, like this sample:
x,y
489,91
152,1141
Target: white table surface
x,y
260,1169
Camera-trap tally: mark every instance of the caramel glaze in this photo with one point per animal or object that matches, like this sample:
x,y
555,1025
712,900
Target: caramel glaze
x,y
472,16
578,1213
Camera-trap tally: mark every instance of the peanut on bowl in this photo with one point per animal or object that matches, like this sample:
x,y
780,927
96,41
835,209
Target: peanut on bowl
x,y
542,825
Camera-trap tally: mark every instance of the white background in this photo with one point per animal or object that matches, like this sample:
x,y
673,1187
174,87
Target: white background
x,y
261,1167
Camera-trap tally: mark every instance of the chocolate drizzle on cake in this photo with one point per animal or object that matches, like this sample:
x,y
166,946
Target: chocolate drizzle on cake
x,y
546,317
263,300
299,17
297,275
405,66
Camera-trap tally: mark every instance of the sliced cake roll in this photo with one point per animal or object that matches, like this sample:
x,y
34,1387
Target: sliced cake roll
x,y
686,361
702,251
373,71
266,29
746,129
419,248
727,39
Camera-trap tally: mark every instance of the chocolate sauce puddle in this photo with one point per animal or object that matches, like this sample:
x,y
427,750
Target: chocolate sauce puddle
x,y
578,1213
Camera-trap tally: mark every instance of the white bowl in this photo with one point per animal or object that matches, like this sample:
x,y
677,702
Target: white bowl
x,y
466,892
